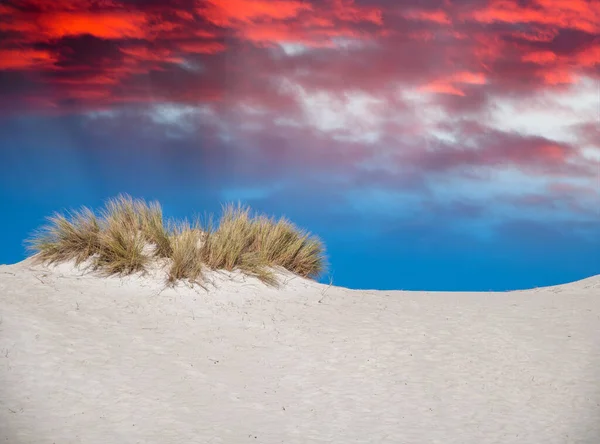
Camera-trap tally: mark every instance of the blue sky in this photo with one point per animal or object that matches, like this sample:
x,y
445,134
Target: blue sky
x,y
424,159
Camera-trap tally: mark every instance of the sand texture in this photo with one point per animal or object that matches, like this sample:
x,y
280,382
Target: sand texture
x,y
85,359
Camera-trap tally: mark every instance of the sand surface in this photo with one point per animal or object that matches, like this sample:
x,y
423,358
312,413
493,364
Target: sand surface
x,y
85,359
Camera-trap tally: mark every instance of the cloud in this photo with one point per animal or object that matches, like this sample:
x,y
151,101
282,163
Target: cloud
x,y
14,59
470,51
36,24
424,100
576,14
435,16
241,11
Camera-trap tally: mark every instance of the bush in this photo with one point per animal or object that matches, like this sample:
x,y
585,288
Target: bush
x,y
129,232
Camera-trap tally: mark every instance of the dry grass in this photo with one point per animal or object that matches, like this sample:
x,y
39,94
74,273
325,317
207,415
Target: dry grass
x,y
255,244
153,228
129,232
136,215
186,243
122,249
230,245
281,243
71,237
124,236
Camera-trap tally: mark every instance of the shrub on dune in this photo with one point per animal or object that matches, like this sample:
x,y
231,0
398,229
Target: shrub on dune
x,y
72,237
129,233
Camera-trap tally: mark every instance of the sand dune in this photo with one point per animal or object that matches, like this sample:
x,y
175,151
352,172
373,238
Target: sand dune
x,y
85,359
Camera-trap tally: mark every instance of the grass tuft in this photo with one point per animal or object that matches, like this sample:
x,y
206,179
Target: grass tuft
x,y
122,243
231,245
64,238
281,243
122,250
153,228
186,243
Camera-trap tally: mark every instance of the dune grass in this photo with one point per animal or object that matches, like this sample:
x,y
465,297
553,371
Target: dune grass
x,y
185,246
280,243
74,236
121,246
128,234
230,246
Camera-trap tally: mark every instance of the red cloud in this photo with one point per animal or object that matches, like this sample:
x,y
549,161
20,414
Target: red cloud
x,y
55,24
451,84
347,10
436,16
576,14
267,22
199,47
228,12
466,53
108,25
540,57
26,59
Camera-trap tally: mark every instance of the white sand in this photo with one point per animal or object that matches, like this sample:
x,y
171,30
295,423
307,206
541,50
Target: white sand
x,y
95,360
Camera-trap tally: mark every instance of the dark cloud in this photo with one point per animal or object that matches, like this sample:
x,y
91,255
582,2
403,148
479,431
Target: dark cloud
x,y
481,146
564,42
86,52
